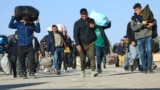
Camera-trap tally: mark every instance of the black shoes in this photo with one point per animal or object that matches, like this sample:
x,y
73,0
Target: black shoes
x,y
154,67
132,68
15,76
149,70
144,71
104,66
99,71
31,75
58,72
24,76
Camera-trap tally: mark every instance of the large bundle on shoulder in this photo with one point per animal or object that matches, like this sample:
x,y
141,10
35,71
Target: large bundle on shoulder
x,y
61,27
147,14
29,11
100,18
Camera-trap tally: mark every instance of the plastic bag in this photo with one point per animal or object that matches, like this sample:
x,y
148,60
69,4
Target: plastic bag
x,y
30,11
61,27
100,18
5,64
47,61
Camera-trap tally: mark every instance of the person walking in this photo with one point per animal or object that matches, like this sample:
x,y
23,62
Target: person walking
x,y
56,45
67,62
25,29
13,53
37,52
142,28
101,44
84,37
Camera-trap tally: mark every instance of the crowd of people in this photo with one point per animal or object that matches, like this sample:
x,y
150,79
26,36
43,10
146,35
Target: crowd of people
x,y
90,40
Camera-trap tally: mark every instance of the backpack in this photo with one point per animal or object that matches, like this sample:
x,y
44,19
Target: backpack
x,y
3,42
130,32
155,46
115,46
154,31
120,50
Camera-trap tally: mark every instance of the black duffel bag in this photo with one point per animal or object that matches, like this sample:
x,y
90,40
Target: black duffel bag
x,y
29,11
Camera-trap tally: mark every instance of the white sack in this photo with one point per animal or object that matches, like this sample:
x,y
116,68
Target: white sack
x,y
5,64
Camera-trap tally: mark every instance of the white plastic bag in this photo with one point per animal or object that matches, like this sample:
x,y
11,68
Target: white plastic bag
x,y
99,18
61,27
6,65
47,61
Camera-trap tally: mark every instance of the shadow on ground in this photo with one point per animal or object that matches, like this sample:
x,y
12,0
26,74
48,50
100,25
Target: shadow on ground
x,y
5,87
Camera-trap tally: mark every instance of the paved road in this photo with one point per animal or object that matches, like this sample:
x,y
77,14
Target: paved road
x,y
111,78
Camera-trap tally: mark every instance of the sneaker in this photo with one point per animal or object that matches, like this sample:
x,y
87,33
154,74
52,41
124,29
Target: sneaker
x,y
58,72
14,76
149,70
132,68
99,71
32,75
46,70
144,71
140,69
65,71
82,73
24,76
20,75
94,74
53,70
154,67
104,66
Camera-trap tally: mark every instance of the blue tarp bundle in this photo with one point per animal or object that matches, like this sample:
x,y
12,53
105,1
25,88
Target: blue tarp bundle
x,y
100,18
